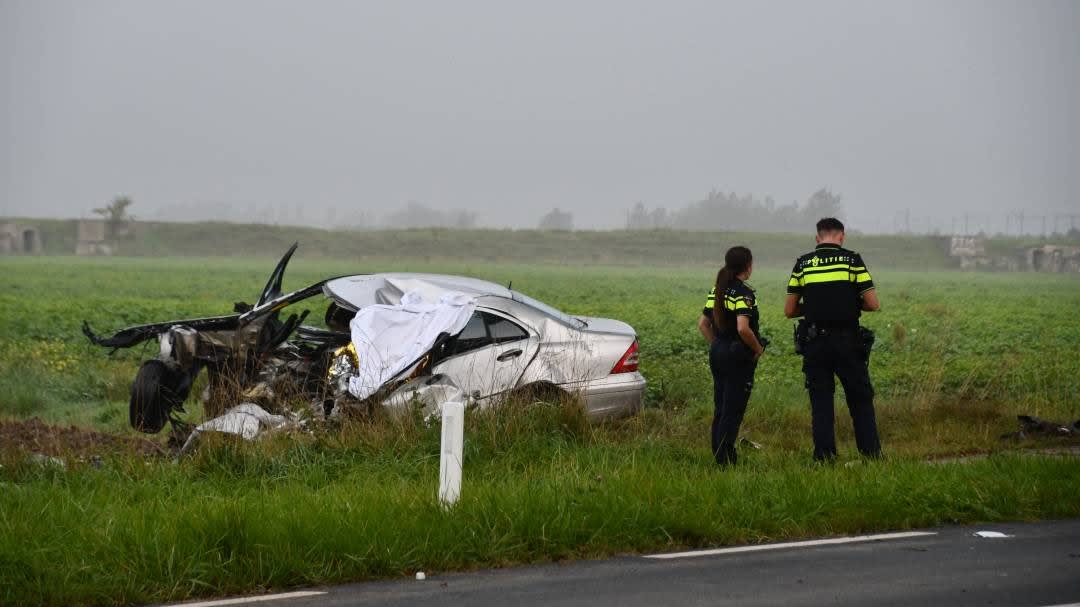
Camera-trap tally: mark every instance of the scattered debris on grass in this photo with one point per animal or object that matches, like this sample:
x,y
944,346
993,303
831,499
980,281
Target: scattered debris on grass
x,y
745,442
247,421
1032,426
48,461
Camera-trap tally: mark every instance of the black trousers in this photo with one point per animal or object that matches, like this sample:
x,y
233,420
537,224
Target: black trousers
x,y
840,353
732,366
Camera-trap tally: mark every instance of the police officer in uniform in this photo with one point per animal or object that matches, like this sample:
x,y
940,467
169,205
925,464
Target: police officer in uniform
x,y
830,286
729,322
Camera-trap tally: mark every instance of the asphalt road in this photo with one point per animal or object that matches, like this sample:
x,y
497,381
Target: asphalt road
x,y
1038,566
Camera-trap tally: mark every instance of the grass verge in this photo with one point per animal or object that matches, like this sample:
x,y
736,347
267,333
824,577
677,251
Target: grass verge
x,y
359,503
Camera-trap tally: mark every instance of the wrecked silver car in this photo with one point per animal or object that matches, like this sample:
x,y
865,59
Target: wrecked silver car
x,y
386,338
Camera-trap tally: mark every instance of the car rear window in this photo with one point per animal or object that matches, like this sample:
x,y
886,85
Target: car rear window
x,y
483,329
473,336
502,329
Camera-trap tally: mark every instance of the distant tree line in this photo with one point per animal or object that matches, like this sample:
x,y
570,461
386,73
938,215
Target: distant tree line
x,y
416,215
717,211
732,212
556,219
721,212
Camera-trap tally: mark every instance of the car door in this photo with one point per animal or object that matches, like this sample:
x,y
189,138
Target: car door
x,y
489,356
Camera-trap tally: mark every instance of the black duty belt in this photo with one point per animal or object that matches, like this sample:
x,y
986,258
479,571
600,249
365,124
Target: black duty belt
x,y
818,329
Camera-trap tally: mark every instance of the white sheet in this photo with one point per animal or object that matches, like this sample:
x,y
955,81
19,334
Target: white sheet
x,y
389,338
247,420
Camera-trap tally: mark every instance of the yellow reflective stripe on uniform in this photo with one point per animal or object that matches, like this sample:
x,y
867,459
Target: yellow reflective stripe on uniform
x,y
794,282
861,274
711,299
819,277
735,303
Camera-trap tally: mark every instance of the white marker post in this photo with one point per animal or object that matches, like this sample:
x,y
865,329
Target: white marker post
x,y
453,442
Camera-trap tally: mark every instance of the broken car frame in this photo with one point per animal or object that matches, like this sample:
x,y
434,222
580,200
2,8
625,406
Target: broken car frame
x,y
247,352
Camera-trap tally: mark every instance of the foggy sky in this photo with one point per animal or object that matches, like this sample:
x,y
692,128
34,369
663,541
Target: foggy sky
x,y
512,108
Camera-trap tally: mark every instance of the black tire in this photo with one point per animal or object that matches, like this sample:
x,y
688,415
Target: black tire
x,y
539,392
147,411
159,387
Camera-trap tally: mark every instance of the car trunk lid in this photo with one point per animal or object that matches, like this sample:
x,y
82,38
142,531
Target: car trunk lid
x,y
607,325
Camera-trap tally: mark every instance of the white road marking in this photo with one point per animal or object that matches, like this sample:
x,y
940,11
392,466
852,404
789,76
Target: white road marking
x,y
252,599
991,534
1067,605
806,544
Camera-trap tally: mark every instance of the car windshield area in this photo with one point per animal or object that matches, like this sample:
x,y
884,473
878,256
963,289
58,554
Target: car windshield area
x,y
546,309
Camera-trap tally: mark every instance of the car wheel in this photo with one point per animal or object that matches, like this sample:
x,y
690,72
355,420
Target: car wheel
x,y
156,391
540,392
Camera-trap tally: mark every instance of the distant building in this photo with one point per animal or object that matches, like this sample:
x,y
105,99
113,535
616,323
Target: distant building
x,y
91,238
1052,258
971,254
19,239
971,251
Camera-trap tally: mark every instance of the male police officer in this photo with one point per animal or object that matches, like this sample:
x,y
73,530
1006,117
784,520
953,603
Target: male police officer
x,y
830,286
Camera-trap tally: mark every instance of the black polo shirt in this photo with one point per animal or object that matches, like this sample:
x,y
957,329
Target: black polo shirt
x,y
830,279
738,300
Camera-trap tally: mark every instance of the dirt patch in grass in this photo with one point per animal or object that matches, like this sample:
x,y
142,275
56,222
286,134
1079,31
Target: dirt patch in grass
x,y
35,436
1063,448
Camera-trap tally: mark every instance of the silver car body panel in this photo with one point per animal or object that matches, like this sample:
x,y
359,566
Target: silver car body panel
x,y
575,355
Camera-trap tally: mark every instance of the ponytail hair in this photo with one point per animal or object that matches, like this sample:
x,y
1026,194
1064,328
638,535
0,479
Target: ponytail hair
x,y
736,261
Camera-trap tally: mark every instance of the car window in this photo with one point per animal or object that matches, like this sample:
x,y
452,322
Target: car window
x,y
503,330
483,329
473,336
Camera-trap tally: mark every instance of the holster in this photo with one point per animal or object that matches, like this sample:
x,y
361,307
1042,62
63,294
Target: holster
x,y
801,335
867,338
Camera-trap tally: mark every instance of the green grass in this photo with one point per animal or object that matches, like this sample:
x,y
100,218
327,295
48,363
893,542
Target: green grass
x,y
304,511
942,335
958,357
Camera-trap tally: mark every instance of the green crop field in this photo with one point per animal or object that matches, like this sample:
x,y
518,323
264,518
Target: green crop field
x,y
958,357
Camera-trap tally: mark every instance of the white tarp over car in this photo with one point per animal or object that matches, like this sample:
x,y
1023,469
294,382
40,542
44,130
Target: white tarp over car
x,y
388,338
363,290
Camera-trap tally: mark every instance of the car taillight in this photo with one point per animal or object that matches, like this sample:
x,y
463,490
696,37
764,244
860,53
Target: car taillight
x,y
628,362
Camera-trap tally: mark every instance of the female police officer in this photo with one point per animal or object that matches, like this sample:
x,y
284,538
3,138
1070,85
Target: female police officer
x,y
730,324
